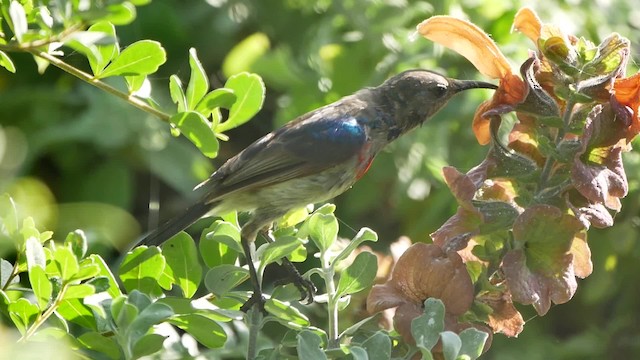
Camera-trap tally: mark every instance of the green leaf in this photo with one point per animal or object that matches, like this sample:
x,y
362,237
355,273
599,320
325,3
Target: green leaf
x,y
282,247
107,51
79,291
198,82
141,269
41,286
18,20
196,128
218,98
249,90
359,275
208,332
147,345
358,353
6,269
222,278
77,242
220,244
427,327
35,253
85,42
140,58
545,234
378,346
120,14
284,311
177,94
181,255
5,62
355,327
135,84
75,311
473,341
23,314
151,315
66,262
102,344
309,346
87,270
114,289
451,345
365,234
323,230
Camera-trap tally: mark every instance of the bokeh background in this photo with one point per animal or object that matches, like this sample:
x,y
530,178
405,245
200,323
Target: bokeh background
x,y
74,157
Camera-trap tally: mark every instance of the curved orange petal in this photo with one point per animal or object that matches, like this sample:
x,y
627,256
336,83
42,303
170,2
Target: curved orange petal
x,y
480,124
469,41
511,91
527,22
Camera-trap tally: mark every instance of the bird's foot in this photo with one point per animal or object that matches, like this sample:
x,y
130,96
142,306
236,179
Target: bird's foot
x,y
257,299
306,287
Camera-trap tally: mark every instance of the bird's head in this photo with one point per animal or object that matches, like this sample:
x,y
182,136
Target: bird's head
x,y
414,96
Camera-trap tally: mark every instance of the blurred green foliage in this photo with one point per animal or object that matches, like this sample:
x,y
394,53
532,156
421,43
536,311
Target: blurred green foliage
x,y
74,157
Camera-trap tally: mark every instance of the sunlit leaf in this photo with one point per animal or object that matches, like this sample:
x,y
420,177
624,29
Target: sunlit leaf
x,y
249,90
5,62
359,275
195,127
141,269
182,258
107,51
18,19
208,332
23,314
222,278
140,58
198,82
41,286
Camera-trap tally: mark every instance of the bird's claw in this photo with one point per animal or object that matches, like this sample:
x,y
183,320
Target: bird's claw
x,y
306,287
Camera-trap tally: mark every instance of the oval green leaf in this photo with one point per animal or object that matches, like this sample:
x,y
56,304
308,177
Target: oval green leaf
x,y
196,128
359,275
249,90
140,58
182,258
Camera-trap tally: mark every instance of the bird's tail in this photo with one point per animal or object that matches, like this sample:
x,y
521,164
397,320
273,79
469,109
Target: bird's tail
x,y
176,224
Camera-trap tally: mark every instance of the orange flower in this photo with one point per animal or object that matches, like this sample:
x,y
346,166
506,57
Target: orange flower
x,y
627,92
474,44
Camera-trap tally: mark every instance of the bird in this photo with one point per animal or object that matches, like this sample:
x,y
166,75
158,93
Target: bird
x,y
312,159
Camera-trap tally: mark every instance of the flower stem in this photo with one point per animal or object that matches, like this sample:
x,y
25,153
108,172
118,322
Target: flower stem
x,y
140,104
548,164
44,316
332,303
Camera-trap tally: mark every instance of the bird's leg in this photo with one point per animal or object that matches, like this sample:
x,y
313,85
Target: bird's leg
x,y
306,287
256,298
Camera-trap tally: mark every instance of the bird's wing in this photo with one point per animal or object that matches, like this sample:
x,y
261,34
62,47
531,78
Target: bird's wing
x,y
304,147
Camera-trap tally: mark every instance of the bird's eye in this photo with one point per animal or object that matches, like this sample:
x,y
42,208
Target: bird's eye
x,y
440,90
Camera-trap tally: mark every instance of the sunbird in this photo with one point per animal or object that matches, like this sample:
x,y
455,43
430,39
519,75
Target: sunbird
x,y
314,158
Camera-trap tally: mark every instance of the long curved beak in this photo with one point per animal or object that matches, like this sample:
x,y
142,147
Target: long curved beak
x,y
461,85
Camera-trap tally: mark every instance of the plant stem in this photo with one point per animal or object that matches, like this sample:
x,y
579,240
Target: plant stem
x,y
140,104
566,119
332,303
44,316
